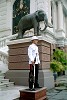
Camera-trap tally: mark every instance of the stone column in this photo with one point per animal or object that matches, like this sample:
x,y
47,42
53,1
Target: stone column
x,y
42,4
32,6
60,34
54,14
49,11
60,15
9,16
66,26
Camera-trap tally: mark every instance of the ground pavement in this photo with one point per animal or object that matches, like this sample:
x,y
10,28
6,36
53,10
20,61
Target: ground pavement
x,y
60,91
57,93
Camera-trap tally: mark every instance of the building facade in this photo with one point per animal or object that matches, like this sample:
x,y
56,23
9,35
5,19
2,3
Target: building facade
x,y
55,10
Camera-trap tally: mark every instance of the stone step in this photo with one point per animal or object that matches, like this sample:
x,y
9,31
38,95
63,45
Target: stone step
x,y
4,80
2,86
61,83
2,74
2,77
60,88
5,85
9,84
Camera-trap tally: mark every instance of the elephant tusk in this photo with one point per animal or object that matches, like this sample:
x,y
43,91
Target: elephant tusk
x,y
49,25
43,29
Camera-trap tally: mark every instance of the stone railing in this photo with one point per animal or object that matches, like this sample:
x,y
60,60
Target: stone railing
x,y
4,40
3,62
4,52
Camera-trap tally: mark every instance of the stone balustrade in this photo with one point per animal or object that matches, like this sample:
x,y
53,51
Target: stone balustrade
x,y
4,40
3,57
3,62
4,52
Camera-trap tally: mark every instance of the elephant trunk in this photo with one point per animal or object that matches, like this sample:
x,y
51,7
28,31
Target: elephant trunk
x,y
45,22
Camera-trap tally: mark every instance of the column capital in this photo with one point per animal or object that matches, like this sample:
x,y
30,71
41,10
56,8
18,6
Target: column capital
x,y
56,1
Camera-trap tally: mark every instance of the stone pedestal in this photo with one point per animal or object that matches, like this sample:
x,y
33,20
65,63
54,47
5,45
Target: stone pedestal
x,y
38,94
18,62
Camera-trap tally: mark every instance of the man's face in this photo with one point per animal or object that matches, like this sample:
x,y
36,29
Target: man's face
x,y
35,41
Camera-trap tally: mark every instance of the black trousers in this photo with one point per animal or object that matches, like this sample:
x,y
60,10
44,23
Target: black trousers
x,y
36,75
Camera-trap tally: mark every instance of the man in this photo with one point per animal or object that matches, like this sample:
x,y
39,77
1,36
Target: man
x,y
33,55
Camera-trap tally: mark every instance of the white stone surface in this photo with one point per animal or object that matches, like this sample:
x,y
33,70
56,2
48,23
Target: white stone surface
x,y
3,67
3,60
45,37
3,11
54,15
32,6
5,18
48,79
11,93
4,50
60,15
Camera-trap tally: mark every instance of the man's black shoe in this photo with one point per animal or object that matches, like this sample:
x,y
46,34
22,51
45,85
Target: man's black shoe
x,y
38,87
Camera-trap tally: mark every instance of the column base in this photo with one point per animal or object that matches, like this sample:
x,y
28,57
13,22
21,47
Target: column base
x,y
20,77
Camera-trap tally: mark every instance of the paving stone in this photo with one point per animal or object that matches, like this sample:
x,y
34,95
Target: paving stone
x,y
60,96
60,88
51,94
11,93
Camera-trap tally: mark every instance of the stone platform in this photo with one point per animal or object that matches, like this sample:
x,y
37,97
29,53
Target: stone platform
x,y
18,62
37,94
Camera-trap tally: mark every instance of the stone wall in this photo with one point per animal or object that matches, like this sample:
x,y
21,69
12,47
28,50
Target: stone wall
x,y
18,62
3,10
18,56
5,18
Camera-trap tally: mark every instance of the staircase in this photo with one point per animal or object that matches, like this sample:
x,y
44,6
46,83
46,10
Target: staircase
x,y
8,91
4,83
61,83
4,61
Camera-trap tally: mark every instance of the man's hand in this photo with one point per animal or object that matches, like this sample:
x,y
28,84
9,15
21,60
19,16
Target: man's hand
x,y
33,62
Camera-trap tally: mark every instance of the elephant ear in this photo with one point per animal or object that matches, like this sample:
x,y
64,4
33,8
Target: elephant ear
x,y
36,16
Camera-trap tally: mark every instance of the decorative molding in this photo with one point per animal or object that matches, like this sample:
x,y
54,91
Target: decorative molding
x,y
4,29
60,34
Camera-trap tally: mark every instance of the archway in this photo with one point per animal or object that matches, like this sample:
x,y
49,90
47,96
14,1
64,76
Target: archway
x,y
20,9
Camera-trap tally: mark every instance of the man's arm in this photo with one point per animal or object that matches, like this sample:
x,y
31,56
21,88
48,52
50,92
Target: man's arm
x,y
30,55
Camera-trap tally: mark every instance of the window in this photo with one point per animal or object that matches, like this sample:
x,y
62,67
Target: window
x,y
20,8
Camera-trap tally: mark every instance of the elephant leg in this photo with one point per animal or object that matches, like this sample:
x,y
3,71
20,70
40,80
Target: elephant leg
x,y
38,29
35,29
20,34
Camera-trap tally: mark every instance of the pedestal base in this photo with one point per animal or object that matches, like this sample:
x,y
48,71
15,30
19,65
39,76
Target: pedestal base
x,y
38,94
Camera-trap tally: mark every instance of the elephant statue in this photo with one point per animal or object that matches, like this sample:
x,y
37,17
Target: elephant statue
x,y
32,21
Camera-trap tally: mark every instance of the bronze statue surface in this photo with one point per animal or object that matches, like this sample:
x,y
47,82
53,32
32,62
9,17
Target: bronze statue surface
x,y
32,21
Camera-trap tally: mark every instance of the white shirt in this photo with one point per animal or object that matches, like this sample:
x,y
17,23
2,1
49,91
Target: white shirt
x,y
32,53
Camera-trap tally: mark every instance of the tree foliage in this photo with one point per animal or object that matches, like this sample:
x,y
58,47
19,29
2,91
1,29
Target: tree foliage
x,y
59,61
